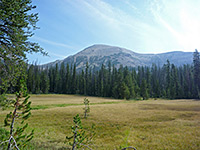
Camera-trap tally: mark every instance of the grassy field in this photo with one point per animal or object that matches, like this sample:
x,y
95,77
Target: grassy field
x,y
146,125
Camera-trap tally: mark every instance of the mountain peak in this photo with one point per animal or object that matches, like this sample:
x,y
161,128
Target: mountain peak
x,y
99,45
99,54
103,50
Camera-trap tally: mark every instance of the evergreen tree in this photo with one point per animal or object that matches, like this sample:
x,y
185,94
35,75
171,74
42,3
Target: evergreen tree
x,y
37,80
82,83
188,82
139,75
87,107
79,137
90,83
196,61
154,79
130,90
109,82
172,86
56,80
74,80
16,27
144,90
148,80
168,79
157,89
30,77
51,80
103,81
95,86
17,139
62,81
175,81
67,80
44,82
86,79
135,84
126,92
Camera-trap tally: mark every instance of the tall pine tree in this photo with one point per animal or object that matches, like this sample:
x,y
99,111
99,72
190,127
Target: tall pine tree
x,y
196,61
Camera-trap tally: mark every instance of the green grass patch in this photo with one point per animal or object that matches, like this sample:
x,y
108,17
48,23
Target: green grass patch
x,y
37,107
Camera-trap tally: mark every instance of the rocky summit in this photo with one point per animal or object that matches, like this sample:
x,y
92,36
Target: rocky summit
x,y
97,55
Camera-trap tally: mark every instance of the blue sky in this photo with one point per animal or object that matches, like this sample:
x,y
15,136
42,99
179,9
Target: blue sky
x,y
144,26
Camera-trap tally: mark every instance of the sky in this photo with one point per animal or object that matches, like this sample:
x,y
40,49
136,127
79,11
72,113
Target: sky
x,y
143,26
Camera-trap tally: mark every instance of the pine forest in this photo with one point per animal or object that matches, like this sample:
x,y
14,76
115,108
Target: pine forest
x,y
168,81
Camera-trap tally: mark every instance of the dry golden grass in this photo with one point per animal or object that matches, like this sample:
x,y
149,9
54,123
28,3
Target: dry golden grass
x,y
146,125
65,99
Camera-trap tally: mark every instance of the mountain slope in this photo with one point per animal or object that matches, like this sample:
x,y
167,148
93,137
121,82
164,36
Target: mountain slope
x,y
97,55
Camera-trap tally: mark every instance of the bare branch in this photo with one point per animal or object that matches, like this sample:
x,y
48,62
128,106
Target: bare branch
x,y
85,146
12,125
15,144
10,139
4,142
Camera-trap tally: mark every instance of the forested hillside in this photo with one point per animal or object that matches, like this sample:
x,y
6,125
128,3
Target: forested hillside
x,y
168,81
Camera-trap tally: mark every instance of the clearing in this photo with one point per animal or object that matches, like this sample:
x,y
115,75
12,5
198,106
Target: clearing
x,y
145,125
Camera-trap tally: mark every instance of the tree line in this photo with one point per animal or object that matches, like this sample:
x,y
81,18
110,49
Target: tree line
x,y
168,81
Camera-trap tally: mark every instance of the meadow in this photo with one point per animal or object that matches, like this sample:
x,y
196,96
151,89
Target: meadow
x,y
145,125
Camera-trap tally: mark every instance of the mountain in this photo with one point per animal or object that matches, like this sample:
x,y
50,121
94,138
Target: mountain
x,y
97,55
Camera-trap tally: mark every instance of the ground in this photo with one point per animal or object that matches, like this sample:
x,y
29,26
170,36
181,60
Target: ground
x,y
145,125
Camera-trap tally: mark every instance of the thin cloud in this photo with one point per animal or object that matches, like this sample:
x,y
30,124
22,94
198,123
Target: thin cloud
x,y
57,55
51,42
133,7
101,10
113,17
160,20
